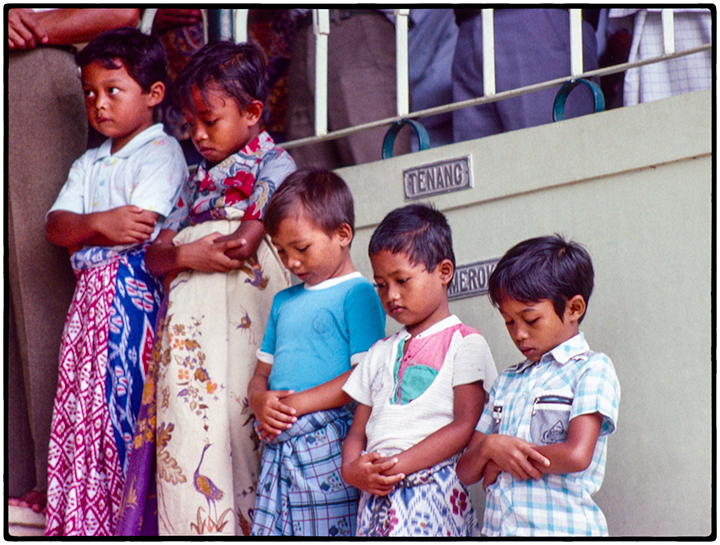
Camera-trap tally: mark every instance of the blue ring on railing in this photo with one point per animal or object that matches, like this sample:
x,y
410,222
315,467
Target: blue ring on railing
x,y
389,140
561,97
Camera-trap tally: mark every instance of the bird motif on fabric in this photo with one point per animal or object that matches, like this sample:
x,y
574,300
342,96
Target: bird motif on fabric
x,y
205,486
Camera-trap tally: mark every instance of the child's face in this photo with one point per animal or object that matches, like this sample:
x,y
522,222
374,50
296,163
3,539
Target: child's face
x,y
535,328
409,293
218,127
309,253
115,102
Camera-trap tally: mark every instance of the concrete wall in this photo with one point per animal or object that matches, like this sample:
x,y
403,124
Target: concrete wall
x,y
634,185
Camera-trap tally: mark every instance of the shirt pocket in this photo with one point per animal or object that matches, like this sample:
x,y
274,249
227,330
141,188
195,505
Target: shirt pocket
x,y
550,417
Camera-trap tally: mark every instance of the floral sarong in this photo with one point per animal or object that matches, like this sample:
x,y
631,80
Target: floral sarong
x,y
428,503
206,449
300,490
105,351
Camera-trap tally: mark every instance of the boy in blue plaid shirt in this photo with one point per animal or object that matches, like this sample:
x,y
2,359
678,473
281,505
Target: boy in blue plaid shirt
x,y
540,445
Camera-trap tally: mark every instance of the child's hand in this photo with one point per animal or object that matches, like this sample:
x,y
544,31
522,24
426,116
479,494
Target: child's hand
x,y
366,473
206,255
490,474
127,224
244,241
238,249
513,455
273,415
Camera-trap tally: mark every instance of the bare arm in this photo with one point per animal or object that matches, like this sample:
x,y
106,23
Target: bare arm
x,y
204,254
576,453
328,395
269,406
365,471
128,224
248,236
450,439
527,461
71,26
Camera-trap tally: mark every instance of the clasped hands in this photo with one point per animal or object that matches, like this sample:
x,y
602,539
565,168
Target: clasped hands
x,y
510,454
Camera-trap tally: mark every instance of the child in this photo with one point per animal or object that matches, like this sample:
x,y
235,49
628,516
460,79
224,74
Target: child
x,y
540,445
419,392
225,274
315,332
106,214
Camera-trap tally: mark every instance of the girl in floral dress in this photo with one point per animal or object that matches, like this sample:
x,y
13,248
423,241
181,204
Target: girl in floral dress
x,y
222,274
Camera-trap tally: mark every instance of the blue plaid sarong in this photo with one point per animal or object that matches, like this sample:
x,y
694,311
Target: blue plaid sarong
x,y
300,491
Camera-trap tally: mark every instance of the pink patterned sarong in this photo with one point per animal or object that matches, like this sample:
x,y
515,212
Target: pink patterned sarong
x,y
103,358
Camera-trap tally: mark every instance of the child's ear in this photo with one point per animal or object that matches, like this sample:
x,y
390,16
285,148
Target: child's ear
x,y
156,94
345,234
446,270
254,111
575,308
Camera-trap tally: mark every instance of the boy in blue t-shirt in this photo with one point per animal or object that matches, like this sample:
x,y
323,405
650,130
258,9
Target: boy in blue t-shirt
x,y
541,443
315,332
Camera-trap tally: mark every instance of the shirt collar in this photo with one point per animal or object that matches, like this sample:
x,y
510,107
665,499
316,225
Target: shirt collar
x,y
450,321
249,154
330,282
140,139
562,353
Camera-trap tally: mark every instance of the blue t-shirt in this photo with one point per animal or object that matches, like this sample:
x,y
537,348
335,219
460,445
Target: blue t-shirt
x,y
314,332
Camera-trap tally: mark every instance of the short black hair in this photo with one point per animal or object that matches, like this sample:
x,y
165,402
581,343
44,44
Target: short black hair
x,y
418,230
239,70
143,56
324,196
540,268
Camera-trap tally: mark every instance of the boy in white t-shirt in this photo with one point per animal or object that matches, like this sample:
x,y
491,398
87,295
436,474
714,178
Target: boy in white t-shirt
x,y
420,392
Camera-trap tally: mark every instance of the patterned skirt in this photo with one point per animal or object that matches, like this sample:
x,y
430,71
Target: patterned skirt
x,y
196,427
428,503
105,352
300,490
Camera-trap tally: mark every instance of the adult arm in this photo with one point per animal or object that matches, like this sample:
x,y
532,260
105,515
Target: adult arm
x,y
71,26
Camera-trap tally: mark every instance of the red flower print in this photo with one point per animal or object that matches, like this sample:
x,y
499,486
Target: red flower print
x,y
207,184
458,499
253,146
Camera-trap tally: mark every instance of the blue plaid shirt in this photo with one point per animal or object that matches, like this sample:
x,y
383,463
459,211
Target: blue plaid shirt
x,y
535,401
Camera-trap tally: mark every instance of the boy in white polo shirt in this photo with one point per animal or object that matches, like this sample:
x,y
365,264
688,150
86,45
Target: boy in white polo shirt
x,y
106,215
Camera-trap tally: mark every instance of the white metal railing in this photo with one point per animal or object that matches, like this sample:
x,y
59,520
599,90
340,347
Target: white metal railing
x,y
321,27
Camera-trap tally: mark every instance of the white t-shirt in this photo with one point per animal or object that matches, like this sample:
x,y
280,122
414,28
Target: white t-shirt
x,y
446,355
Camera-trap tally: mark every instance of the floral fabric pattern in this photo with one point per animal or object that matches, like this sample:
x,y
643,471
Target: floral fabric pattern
x,y
243,181
430,503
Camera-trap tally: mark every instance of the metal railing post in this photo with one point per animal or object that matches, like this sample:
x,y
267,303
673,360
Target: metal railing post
x,y
241,26
576,45
668,25
401,61
488,37
321,28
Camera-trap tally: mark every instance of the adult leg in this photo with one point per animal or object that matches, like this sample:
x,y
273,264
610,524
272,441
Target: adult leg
x,y
467,83
47,131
